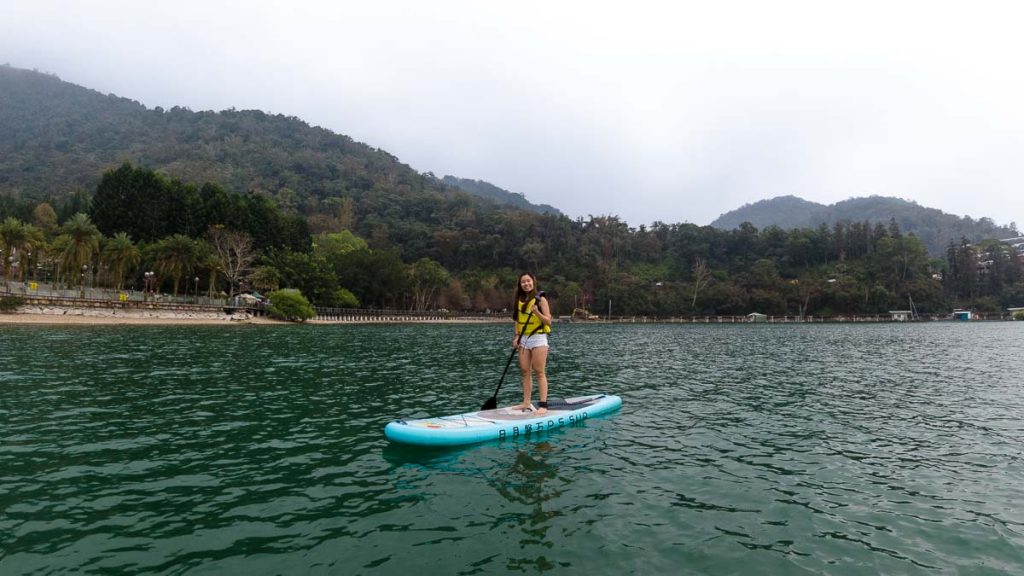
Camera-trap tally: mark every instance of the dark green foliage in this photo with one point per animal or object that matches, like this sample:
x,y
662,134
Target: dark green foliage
x,y
15,207
378,278
140,202
10,303
307,273
346,299
289,304
149,206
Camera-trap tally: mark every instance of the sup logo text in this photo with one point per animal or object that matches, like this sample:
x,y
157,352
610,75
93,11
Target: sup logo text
x,y
531,427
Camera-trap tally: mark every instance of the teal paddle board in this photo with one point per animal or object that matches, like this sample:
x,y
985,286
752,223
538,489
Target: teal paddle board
x,y
498,424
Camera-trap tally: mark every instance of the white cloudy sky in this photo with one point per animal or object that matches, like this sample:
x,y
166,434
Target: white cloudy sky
x,y
670,111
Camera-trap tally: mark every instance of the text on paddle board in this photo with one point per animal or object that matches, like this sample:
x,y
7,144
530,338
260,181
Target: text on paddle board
x,y
540,426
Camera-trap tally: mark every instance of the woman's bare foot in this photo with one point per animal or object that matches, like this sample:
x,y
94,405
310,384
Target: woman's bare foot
x,y
541,411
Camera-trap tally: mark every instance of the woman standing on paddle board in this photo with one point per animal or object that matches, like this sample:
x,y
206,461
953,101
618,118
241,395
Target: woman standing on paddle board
x,y
533,323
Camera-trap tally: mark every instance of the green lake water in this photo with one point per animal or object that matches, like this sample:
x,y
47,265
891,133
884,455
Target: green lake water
x,y
739,449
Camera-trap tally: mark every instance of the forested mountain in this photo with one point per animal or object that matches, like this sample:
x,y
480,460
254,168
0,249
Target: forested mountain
x,y
786,212
934,227
58,138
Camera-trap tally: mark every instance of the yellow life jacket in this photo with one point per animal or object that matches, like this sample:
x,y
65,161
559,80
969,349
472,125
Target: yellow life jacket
x,y
534,325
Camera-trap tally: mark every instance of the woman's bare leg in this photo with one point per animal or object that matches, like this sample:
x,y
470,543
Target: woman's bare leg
x,y
525,360
539,360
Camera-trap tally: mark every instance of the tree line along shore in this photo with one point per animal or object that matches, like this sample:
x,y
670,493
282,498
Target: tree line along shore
x,y
146,233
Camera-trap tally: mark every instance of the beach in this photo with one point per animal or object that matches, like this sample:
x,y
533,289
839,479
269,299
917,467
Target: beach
x,y
108,316
58,315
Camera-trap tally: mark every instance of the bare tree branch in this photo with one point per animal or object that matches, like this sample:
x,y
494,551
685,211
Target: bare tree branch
x,y
236,253
701,273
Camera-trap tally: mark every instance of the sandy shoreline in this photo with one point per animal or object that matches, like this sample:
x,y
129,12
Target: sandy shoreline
x,y
37,319
109,316
52,315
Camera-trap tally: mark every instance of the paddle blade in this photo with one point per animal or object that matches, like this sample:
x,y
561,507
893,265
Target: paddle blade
x,y
491,403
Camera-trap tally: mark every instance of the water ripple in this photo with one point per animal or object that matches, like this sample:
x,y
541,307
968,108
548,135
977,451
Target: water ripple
x,y
739,449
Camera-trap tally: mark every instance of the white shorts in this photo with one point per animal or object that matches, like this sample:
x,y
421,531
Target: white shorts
x,y
535,341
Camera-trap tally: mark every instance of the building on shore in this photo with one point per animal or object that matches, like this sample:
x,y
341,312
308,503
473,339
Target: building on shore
x,y
901,315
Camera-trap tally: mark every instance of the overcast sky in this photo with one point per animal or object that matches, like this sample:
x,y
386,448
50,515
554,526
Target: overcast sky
x,y
652,111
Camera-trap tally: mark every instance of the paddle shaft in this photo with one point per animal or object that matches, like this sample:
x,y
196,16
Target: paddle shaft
x,y
509,363
512,355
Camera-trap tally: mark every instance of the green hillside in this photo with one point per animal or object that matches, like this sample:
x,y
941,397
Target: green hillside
x,y
499,195
935,228
59,138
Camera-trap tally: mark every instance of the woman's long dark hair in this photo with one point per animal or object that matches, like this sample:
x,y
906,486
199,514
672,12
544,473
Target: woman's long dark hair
x,y
521,296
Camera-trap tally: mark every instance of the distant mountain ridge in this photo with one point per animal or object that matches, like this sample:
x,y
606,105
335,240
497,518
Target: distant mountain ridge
x,y
933,227
499,195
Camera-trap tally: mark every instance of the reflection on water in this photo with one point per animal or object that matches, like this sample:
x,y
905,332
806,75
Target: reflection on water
x,y
739,449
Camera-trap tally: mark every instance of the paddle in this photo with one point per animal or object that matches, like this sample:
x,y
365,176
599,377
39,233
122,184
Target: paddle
x,y
492,402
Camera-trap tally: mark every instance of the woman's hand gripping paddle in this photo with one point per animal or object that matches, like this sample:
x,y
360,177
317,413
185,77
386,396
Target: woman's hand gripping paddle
x,y
492,402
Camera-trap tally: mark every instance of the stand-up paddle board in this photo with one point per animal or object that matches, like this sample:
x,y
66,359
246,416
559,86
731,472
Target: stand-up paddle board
x,y
499,423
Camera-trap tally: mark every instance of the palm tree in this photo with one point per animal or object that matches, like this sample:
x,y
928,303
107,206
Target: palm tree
x,y
55,249
83,242
208,261
121,255
175,255
12,233
35,243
